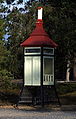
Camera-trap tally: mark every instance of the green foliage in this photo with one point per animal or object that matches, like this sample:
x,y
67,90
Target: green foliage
x,y
5,79
19,29
2,21
65,88
5,74
1,28
1,1
4,56
67,93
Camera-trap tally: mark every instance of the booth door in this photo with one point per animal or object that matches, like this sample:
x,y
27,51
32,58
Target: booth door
x,y
48,74
32,71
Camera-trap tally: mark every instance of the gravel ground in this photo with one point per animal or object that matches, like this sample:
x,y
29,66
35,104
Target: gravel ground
x,y
12,113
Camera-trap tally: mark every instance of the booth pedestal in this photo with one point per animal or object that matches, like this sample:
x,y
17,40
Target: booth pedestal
x,y
34,98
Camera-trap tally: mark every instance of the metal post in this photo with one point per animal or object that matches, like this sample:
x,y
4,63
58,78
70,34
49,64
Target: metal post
x,y
57,95
42,88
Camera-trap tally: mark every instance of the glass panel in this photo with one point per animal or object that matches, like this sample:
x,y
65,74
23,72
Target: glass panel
x,y
28,71
32,50
36,71
32,71
48,65
48,71
48,51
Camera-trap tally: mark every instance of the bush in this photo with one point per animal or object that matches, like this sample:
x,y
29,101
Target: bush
x,y
5,79
64,88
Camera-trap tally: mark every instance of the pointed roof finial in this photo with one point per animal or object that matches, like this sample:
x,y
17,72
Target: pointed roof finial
x,y
40,9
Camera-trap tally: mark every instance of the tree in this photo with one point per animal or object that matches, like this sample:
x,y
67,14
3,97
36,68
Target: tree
x,y
5,74
60,26
4,56
61,20
19,26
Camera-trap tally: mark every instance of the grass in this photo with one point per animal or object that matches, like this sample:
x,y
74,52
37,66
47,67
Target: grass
x,y
10,91
68,98
71,94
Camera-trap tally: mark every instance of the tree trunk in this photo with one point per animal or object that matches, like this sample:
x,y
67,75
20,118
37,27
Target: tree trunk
x,y
74,70
68,71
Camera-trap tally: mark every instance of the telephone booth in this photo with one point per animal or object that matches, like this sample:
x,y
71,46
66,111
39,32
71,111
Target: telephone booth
x,y
39,57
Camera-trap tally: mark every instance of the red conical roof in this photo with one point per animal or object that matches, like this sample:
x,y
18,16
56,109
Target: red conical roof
x,y
39,38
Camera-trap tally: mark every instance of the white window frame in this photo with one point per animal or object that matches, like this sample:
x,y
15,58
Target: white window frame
x,y
48,75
